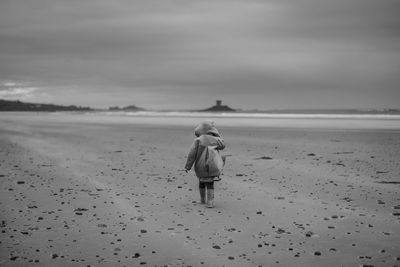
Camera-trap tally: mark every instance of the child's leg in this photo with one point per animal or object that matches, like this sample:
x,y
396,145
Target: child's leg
x,y
210,185
202,189
210,194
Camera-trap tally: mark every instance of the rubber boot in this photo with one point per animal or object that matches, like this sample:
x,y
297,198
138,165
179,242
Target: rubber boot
x,y
202,195
210,198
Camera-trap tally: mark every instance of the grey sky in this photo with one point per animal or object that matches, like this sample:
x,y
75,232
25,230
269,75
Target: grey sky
x,y
184,54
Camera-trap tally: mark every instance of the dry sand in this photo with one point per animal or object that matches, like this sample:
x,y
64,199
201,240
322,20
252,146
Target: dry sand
x,y
74,193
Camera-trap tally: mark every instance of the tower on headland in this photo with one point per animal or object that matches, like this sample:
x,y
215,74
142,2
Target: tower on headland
x,y
219,107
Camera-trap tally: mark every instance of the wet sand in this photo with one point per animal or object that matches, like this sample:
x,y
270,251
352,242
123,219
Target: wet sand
x,y
76,193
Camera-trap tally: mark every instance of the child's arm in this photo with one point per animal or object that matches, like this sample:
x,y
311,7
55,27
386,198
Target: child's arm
x,y
191,158
220,144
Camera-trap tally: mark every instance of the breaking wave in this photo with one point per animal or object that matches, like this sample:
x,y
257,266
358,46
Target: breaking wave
x,y
249,115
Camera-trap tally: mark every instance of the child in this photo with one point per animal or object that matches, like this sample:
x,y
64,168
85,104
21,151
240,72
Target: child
x,y
207,135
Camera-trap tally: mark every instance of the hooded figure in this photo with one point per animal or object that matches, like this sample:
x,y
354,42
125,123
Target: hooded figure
x,y
206,127
207,135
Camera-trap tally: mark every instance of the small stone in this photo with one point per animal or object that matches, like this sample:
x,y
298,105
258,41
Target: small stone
x,y
216,247
231,258
264,157
143,231
80,209
317,253
280,231
309,234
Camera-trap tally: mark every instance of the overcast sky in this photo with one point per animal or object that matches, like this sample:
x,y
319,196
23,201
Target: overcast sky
x,y
167,54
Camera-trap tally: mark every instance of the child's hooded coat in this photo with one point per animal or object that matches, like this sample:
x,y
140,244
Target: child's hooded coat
x,y
207,135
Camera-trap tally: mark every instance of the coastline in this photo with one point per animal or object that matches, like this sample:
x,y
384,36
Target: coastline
x,y
281,121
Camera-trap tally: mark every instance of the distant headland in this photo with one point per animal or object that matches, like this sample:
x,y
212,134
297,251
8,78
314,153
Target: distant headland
x,y
218,107
127,108
16,105
7,105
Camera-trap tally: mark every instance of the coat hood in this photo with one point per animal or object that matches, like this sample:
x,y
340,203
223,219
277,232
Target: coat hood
x,y
206,127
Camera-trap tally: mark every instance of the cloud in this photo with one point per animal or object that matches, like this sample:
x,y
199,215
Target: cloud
x,y
12,84
244,50
18,92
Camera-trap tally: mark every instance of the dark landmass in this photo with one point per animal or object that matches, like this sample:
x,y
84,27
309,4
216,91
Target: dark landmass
x,y
7,105
127,108
218,107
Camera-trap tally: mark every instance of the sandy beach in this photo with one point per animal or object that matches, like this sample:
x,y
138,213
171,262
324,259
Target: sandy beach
x,y
81,192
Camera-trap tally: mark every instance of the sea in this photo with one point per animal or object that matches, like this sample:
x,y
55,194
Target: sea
x,y
338,120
